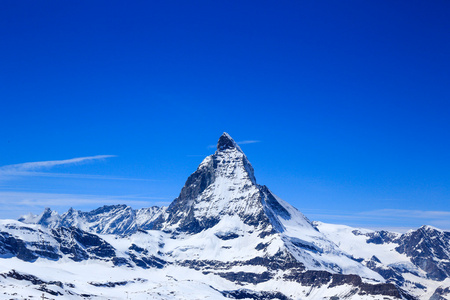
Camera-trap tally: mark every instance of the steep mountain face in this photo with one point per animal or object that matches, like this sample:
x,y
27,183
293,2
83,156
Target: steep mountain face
x,y
429,249
223,185
225,236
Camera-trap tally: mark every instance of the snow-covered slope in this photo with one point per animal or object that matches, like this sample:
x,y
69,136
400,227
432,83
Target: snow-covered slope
x,y
150,264
417,261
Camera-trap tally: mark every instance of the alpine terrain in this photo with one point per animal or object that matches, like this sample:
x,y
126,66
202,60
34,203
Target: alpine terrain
x,y
224,237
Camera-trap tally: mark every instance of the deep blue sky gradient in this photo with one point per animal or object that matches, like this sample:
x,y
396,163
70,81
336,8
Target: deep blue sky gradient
x,y
349,101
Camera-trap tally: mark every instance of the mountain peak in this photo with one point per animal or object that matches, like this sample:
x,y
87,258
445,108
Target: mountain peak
x,y
226,142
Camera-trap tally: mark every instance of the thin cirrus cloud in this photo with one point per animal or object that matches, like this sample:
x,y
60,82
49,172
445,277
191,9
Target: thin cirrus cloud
x,y
33,168
440,219
389,217
60,199
248,142
382,214
77,176
416,214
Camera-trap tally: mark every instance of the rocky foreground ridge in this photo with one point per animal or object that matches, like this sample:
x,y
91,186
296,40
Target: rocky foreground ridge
x,y
225,236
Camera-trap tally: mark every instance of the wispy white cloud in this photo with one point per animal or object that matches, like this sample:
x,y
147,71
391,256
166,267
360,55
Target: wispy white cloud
x,y
77,176
36,168
399,220
440,219
58,199
248,142
406,213
38,165
382,213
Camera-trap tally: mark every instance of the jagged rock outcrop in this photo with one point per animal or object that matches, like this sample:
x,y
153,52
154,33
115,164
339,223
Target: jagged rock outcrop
x,y
429,249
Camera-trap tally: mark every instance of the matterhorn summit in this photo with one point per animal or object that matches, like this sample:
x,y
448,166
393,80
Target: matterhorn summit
x,y
223,189
222,203
223,185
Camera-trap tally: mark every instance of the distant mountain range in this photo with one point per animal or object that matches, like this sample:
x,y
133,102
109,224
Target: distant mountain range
x,y
224,237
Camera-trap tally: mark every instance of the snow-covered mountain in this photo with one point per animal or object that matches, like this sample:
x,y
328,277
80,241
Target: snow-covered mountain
x,y
224,236
417,261
109,219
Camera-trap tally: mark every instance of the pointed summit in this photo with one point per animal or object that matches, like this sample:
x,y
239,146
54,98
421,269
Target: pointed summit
x,y
46,218
227,142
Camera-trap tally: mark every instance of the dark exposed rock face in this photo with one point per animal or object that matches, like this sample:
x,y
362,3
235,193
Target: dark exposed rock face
x,y
279,261
310,278
41,285
249,294
441,294
180,210
110,284
275,206
428,249
142,258
246,277
49,291
321,278
30,278
227,235
147,262
381,237
340,279
388,273
226,142
12,246
386,289
378,237
80,245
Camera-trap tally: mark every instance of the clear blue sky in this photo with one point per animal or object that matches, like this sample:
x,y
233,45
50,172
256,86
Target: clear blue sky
x,y
346,103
